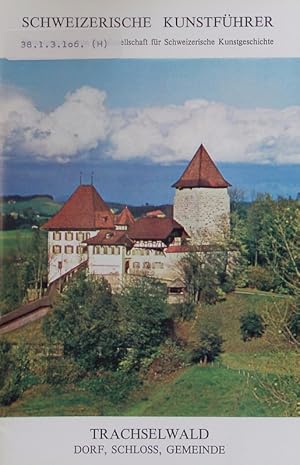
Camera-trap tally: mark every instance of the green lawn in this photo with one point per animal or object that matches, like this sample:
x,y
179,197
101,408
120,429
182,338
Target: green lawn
x,y
195,391
204,391
12,241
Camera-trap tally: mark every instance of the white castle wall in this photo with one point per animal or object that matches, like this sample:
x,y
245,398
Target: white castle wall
x,y
162,265
146,261
60,263
105,264
203,212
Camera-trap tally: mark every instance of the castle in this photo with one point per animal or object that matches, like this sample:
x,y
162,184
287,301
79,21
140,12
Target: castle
x,y
85,231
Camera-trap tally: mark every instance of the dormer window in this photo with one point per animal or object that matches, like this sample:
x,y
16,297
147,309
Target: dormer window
x,y
109,235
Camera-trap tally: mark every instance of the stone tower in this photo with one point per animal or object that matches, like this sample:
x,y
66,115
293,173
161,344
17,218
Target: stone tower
x,y
201,203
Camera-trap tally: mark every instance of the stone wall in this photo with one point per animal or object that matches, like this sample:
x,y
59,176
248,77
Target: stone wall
x,y
203,212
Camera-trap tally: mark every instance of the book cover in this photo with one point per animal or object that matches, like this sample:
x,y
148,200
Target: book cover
x,y
150,222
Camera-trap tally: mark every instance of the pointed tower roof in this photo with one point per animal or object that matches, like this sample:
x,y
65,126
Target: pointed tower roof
x,y
201,172
125,217
84,210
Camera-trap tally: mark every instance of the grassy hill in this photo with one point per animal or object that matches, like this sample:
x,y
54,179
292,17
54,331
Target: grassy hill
x,y
12,241
43,205
232,386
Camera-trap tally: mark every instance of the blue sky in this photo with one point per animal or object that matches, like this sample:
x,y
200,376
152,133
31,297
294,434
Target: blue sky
x,y
136,124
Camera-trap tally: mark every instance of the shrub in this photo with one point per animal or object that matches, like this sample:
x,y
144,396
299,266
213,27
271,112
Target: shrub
x,y
261,278
18,377
185,310
112,386
251,325
63,370
5,360
208,347
170,358
227,284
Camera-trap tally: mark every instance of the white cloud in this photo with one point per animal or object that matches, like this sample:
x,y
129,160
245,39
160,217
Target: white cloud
x,y
79,124
163,134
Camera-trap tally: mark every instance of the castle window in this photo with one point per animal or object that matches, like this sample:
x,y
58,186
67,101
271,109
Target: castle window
x,y
68,236
56,249
105,251
79,249
68,249
128,252
88,235
136,265
56,236
147,252
118,251
112,250
147,265
97,249
80,236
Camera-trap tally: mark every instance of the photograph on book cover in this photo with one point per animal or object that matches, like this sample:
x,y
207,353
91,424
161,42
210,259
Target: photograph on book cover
x,y
150,242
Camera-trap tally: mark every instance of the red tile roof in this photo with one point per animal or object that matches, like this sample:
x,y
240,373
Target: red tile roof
x,y
110,237
84,210
151,228
125,217
201,172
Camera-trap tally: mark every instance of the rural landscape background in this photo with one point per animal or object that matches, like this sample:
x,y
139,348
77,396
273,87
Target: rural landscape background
x,y
250,372
231,346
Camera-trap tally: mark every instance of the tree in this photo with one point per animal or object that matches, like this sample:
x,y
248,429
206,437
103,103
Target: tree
x,y
201,272
143,303
85,322
273,240
280,244
259,218
14,370
283,387
26,269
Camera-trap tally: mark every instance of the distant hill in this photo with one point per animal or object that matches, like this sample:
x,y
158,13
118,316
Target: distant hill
x,y
24,211
21,198
41,206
